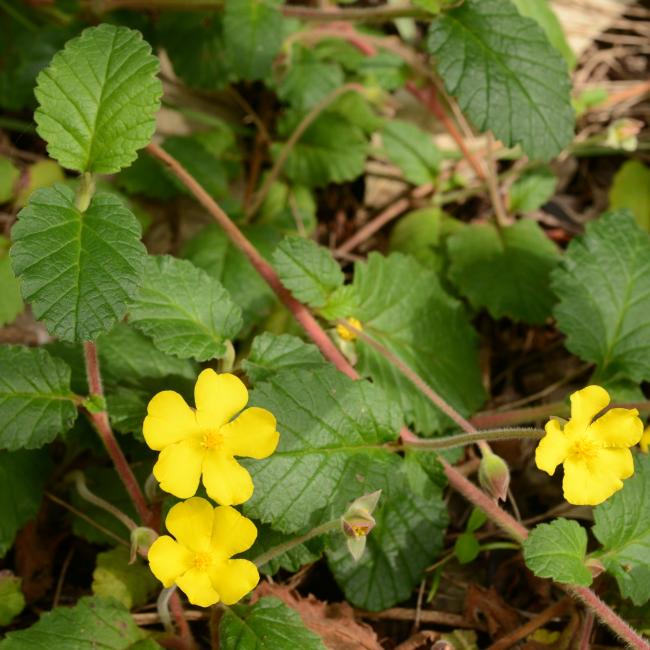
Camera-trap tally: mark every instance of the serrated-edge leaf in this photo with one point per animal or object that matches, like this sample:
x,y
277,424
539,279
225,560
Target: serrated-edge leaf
x,y
77,270
557,550
36,403
98,99
186,312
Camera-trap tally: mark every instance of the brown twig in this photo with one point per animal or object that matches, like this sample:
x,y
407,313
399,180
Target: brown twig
x,y
103,427
426,616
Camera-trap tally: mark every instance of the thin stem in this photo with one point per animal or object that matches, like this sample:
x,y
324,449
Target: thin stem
x,y
178,613
281,549
306,122
500,214
80,483
585,632
103,427
462,439
300,312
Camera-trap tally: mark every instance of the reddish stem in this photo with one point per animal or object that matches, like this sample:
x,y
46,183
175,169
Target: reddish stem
x,y
103,426
300,312
430,99
176,608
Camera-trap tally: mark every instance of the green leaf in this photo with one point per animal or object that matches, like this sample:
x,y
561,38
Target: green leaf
x,y
43,173
423,234
506,75
195,44
384,69
309,80
35,400
330,453
212,251
9,174
506,270
267,625
77,269
557,550
94,622
308,270
412,150
116,577
342,303
403,307
406,539
12,600
622,525
253,34
532,189
270,354
98,100
11,302
185,311
290,208
466,548
631,190
604,289
543,14
331,150
293,559
23,475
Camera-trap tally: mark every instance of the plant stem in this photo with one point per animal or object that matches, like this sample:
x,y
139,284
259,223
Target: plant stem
x,y
306,122
500,214
462,439
300,312
103,427
281,549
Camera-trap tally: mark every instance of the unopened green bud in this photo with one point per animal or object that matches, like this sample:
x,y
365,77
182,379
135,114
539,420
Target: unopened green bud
x,y
141,539
494,476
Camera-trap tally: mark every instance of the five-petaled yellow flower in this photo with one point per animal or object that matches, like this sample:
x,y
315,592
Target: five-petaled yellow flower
x,y
204,441
644,443
198,561
595,453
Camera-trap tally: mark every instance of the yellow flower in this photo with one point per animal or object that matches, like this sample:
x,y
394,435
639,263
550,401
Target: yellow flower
x,y
645,440
204,441
198,561
594,453
345,333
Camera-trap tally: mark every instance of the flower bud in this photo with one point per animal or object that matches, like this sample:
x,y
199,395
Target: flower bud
x,y
622,134
357,522
595,566
141,539
494,476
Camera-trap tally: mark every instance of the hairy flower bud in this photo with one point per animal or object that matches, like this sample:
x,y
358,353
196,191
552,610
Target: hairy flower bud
x,y
494,476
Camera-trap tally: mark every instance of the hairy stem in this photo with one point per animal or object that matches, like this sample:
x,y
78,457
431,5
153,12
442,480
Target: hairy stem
x,y
300,312
462,439
281,549
306,122
103,427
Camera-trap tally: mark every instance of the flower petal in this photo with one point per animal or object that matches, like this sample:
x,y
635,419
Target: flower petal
x,y
586,404
588,483
232,533
168,559
198,588
169,420
618,428
218,398
178,469
252,434
644,443
552,448
225,480
234,579
191,523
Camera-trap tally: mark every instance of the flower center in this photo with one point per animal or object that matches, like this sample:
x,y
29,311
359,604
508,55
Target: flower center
x,y
212,440
584,449
359,531
202,561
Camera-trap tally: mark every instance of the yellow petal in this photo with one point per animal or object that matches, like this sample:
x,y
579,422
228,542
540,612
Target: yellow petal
x,y
191,523
586,404
588,483
169,420
645,440
178,469
552,448
225,480
218,398
198,588
232,533
234,579
618,428
252,434
168,560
